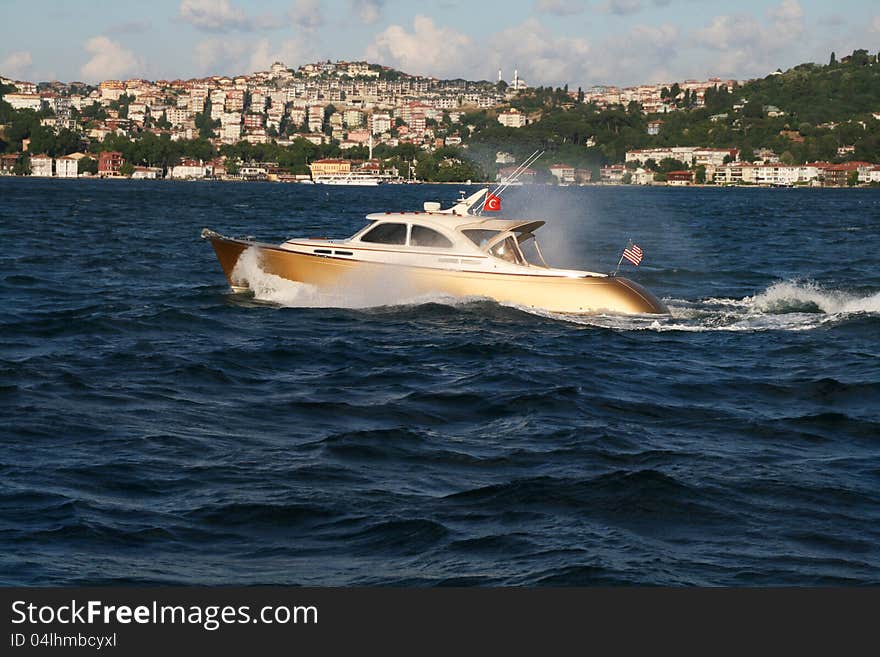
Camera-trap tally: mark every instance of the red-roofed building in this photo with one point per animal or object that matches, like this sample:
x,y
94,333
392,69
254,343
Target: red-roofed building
x,y
8,162
680,177
526,176
330,167
109,163
837,175
564,173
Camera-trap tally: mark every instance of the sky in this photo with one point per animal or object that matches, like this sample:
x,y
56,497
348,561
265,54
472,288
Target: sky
x,y
549,42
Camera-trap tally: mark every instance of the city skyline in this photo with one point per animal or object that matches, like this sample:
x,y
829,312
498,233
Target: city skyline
x,y
554,42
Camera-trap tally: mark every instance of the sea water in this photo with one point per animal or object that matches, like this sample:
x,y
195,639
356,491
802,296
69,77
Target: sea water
x,y
156,428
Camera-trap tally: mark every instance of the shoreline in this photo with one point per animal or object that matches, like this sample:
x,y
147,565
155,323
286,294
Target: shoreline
x,y
470,183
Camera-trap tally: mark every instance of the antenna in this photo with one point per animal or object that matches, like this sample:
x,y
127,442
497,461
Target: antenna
x,y
513,177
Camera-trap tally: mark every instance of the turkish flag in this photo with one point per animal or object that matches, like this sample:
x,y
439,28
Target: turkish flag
x,y
492,203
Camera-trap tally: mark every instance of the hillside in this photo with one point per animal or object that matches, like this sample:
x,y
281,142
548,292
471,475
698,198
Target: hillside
x,y
820,109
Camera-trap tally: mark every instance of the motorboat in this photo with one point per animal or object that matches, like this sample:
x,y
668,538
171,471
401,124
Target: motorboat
x,y
455,251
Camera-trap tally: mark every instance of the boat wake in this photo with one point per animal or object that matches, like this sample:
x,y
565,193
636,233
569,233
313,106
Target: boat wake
x,y
784,306
389,289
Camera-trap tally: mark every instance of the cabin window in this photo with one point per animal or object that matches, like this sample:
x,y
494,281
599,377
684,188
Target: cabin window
x,y
481,237
386,234
422,236
507,249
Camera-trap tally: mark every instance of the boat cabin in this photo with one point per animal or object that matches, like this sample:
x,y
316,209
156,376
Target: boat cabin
x,y
499,238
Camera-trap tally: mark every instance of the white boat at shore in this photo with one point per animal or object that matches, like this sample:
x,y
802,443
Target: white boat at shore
x,y
363,178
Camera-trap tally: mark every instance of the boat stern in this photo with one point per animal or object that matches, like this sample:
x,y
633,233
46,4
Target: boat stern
x,y
630,297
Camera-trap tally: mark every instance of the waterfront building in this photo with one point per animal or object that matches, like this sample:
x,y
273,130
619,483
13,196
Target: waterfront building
x,y
7,163
642,176
525,177
188,168
612,174
41,165
563,173
329,167
67,167
109,163
680,178
147,173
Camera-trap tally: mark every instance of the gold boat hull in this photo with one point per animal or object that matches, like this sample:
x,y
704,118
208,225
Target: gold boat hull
x,y
555,294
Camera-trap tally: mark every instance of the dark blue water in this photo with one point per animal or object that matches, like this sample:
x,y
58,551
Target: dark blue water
x,y
155,428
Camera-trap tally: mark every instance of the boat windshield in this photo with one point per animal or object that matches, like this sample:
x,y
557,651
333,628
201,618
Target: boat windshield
x,y
481,237
507,249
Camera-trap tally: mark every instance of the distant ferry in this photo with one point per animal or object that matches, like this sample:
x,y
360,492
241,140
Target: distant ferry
x,y
351,178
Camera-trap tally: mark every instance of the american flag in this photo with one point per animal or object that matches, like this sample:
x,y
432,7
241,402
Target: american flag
x,y
633,253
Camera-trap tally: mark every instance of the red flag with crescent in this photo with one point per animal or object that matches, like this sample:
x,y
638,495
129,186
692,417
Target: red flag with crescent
x,y
492,203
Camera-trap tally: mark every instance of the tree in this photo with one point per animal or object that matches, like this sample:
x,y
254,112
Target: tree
x,y
668,164
204,123
22,166
126,169
700,175
753,110
833,60
859,58
87,165
852,178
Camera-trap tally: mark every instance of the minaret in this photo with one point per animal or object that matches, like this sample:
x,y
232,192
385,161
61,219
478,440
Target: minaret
x,y
515,79
499,75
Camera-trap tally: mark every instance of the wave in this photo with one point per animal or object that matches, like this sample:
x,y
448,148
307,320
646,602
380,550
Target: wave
x,y
808,297
783,306
355,293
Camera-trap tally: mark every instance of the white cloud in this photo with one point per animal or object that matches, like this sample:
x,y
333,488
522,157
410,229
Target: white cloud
x,y
429,49
560,7
16,64
368,11
213,15
233,56
727,32
788,21
646,53
307,14
108,60
748,46
291,52
541,57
